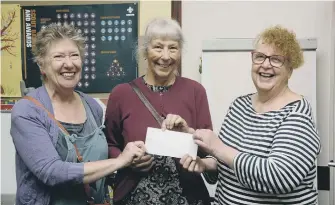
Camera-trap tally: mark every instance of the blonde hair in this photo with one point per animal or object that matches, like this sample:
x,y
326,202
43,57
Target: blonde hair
x,y
285,42
53,33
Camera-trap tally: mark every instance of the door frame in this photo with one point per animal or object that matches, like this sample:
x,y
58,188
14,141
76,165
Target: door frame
x,y
176,13
332,110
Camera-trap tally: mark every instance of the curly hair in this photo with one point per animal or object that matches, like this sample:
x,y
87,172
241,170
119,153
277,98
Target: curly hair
x,y
52,33
285,42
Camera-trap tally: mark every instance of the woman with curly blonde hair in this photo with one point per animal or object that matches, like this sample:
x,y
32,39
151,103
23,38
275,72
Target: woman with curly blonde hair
x,y
268,144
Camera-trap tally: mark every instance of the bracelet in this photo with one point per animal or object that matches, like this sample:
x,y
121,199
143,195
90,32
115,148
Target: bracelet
x,y
209,156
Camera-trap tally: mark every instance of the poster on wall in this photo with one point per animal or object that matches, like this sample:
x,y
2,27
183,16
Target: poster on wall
x,y
10,50
110,31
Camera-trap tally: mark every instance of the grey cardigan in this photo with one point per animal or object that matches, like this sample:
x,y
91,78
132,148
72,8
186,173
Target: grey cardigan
x,y
38,165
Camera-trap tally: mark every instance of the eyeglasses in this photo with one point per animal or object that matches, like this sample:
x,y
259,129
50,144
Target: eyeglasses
x,y
275,60
62,57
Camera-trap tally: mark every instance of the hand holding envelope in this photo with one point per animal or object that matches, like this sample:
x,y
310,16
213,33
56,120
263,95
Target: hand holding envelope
x,y
175,140
192,165
175,144
176,123
172,140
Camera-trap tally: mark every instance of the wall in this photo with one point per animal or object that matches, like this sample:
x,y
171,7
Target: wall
x,y
246,20
8,183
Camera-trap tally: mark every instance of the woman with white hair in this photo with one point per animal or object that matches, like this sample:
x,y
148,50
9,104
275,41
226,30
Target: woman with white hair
x,y
157,179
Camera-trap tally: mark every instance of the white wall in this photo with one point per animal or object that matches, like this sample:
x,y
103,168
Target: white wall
x,y
222,19
8,182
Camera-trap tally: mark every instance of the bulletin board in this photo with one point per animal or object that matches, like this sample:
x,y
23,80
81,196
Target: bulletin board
x,y
10,51
111,33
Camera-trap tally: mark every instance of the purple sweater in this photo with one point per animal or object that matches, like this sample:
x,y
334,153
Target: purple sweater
x,y
127,120
38,165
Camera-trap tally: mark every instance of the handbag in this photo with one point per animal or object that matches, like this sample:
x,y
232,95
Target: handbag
x,y
90,199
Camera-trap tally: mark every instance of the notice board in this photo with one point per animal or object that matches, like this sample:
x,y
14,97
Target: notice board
x,y
111,33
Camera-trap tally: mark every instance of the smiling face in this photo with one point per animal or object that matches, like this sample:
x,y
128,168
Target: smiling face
x,y
62,64
265,76
163,57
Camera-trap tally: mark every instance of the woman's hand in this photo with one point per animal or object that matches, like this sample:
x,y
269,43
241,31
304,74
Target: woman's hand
x,y
133,151
143,164
208,141
176,123
197,165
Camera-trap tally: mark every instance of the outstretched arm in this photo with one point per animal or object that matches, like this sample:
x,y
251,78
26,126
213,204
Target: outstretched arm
x,y
293,154
34,146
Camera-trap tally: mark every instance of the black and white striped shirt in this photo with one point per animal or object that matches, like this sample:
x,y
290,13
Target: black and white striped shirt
x,y
277,163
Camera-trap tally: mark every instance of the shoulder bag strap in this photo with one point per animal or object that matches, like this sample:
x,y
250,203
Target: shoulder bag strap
x,y
90,200
36,102
147,104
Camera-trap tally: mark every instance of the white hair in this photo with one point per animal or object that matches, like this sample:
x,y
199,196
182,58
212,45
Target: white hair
x,y
161,28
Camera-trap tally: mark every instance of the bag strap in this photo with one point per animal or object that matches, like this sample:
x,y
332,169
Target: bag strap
x,y
90,200
147,104
36,102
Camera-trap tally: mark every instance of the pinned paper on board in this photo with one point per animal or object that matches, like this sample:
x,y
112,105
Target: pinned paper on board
x,y
10,51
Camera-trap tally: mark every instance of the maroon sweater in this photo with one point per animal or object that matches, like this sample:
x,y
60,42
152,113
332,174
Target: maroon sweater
x,y
127,120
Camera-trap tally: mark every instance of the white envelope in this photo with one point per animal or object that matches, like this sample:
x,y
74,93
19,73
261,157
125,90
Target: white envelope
x,y
170,143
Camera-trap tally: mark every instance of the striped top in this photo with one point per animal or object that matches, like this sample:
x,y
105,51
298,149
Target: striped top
x,y
277,160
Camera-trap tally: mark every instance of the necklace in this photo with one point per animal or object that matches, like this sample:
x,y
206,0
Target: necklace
x,y
157,88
